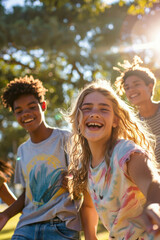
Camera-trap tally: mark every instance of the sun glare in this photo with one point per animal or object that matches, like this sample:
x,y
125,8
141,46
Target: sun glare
x,y
144,33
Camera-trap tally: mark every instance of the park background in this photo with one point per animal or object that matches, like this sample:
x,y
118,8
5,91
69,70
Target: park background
x,y
66,44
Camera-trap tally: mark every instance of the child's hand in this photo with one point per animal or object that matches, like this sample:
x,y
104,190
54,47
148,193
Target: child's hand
x,y
151,218
3,220
65,179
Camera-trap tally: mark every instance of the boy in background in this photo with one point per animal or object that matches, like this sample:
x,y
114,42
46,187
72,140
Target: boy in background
x,y
138,83
48,212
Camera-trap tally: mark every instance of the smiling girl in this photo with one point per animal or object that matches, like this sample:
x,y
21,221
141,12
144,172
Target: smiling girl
x,y
112,158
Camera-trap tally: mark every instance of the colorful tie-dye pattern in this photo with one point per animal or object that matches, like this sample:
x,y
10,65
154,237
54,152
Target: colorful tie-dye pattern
x,y
44,186
117,199
40,168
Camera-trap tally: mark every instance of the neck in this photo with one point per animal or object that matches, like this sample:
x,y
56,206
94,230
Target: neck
x,y
41,133
98,153
148,110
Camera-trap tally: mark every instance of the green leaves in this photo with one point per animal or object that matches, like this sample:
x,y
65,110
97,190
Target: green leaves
x,y
139,6
67,44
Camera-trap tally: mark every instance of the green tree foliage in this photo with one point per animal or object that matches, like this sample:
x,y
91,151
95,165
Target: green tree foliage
x,y
65,44
139,6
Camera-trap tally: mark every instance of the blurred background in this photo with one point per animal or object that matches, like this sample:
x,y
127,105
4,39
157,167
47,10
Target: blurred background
x,y
68,43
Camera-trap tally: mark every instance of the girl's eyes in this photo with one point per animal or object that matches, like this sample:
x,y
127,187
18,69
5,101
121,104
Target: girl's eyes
x,y
89,109
104,110
85,109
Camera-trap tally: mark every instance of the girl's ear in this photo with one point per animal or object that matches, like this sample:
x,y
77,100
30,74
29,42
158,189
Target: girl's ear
x,y
115,122
44,106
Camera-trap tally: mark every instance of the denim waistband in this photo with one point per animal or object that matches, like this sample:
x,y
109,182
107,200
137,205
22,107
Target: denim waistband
x,y
53,220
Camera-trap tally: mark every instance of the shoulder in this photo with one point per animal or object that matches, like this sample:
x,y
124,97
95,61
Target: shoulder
x,y
23,149
124,148
124,145
62,132
24,144
159,108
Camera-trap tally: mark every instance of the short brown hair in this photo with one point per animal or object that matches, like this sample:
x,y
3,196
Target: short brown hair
x,y
131,69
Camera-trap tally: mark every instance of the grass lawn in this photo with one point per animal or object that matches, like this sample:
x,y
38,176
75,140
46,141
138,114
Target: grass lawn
x,y
8,230
102,233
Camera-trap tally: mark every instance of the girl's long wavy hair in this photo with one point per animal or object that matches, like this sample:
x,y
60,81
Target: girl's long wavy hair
x,y
129,127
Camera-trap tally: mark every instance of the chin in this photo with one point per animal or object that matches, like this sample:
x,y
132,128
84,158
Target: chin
x,y
93,138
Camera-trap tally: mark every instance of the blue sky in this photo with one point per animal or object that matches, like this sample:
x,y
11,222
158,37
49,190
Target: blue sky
x,y
10,3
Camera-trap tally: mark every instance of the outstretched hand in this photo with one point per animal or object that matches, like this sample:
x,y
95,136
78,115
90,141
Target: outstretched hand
x,y
151,218
3,220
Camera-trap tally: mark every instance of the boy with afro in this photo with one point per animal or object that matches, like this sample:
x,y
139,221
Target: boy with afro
x,y
48,212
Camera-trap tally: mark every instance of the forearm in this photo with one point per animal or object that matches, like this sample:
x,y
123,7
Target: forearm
x,y
88,224
16,207
6,195
151,212
89,218
153,193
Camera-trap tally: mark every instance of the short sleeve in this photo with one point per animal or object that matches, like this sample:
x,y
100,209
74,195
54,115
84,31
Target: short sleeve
x,y
124,151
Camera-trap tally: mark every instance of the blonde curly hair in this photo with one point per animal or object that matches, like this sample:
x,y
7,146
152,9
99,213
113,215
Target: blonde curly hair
x,y
129,127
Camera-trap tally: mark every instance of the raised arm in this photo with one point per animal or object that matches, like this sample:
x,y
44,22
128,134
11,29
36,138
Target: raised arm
x,y
11,211
144,174
6,195
89,218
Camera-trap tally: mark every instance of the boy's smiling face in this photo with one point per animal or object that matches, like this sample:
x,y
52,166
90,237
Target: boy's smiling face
x,y
28,113
137,91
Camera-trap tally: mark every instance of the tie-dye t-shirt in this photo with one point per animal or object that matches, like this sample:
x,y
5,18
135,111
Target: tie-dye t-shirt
x,y
39,169
117,199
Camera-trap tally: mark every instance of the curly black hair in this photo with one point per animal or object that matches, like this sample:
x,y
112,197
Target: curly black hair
x,y
21,86
130,69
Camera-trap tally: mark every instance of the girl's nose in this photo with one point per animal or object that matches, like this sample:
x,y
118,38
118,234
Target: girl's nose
x,y
94,115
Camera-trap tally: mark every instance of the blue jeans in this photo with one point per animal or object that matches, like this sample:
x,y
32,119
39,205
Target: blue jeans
x,y
45,231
